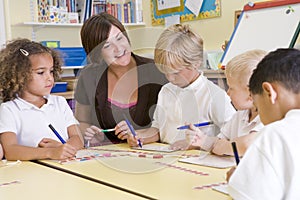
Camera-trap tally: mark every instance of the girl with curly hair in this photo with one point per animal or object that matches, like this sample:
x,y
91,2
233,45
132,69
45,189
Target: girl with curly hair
x,y
27,74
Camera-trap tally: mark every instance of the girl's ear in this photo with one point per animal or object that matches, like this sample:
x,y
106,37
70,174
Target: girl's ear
x,y
270,91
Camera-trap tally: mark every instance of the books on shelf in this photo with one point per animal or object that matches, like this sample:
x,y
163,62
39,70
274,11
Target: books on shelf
x,y
77,11
57,11
126,11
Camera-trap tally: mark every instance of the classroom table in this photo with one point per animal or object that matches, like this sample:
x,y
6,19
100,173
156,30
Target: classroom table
x,y
28,180
146,174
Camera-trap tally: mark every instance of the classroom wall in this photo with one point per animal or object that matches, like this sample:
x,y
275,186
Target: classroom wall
x,y
214,31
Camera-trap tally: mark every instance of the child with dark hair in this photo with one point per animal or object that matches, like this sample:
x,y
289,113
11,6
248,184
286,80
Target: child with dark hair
x,y
273,157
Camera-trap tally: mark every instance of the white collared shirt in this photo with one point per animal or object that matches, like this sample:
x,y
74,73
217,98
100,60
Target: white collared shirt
x,y
201,101
30,123
239,125
270,168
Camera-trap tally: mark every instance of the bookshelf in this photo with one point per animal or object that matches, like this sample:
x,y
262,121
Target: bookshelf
x,y
75,12
44,24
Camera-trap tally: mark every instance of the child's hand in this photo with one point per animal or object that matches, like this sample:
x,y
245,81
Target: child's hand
x,y
49,143
195,136
229,173
90,134
133,140
63,152
122,130
180,145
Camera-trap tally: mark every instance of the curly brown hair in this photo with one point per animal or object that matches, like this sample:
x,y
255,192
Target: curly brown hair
x,y
15,66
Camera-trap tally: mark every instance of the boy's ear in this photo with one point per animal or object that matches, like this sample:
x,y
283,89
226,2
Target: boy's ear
x,y
197,65
270,91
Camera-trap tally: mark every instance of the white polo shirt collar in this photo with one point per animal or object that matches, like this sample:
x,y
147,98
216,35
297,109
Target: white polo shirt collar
x,y
24,105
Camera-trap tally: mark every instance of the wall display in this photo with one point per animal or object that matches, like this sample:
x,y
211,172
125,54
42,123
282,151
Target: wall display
x,y
166,8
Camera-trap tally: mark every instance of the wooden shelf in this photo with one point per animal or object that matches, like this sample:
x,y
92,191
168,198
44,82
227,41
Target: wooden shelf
x,y
67,94
42,24
72,67
214,73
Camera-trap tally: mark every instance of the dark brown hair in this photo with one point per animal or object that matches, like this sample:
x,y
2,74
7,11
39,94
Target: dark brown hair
x,y
95,30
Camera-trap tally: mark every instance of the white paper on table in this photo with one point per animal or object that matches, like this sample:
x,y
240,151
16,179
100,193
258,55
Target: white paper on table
x,y
221,188
211,161
154,147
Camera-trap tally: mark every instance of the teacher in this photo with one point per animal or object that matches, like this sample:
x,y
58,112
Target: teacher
x,y
116,83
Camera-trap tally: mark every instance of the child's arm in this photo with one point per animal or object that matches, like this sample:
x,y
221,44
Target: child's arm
x,y
1,152
75,137
223,146
148,135
14,151
196,138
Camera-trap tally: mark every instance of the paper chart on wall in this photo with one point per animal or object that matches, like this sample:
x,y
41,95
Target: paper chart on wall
x,y
166,4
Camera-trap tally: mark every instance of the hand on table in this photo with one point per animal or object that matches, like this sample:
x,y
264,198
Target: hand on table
x,y
49,143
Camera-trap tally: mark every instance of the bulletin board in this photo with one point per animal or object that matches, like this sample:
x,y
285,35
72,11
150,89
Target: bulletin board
x,y
209,9
264,25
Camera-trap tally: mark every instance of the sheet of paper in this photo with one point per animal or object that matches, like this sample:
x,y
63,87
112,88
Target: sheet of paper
x,y
211,161
194,6
166,4
155,147
170,20
221,188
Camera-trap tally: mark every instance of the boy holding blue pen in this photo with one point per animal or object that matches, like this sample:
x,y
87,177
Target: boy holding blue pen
x,y
189,96
33,123
270,169
244,125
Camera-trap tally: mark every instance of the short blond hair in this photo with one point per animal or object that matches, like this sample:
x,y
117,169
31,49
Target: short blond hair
x,y
178,46
241,66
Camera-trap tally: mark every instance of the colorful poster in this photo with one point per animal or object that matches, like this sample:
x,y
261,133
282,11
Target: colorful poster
x,y
208,9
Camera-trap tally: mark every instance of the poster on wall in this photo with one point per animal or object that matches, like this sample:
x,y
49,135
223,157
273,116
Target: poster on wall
x,y
188,10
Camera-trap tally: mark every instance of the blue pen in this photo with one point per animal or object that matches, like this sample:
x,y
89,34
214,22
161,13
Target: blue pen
x,y
57,134
235,152
132,130
197,125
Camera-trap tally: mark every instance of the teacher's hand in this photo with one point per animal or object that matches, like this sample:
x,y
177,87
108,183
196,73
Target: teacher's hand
x,y
122,130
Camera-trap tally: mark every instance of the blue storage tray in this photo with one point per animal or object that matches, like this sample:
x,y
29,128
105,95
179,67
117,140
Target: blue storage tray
x,y
73,56
59,87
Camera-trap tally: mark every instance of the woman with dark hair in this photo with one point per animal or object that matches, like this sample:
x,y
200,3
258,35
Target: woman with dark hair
x,y
116,84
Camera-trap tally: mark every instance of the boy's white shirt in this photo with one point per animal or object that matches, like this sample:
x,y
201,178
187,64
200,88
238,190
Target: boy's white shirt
x,y
239,125
30,123
201,101
270,169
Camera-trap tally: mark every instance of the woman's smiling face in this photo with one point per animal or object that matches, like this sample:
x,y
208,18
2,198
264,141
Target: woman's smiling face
x,y
116,49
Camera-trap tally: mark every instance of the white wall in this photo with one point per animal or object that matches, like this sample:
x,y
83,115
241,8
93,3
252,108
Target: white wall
x,y
2,25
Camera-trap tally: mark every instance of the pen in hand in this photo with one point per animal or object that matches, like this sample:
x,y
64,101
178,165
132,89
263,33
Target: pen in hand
x,y
57,134
132,131
107,130
235,152
197,125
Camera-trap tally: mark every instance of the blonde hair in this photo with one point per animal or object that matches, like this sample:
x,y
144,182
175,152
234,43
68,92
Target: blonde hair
x,y
15,66
178,47
241,66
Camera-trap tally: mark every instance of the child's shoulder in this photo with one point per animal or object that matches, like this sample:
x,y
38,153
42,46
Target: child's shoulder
x,y
56,99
